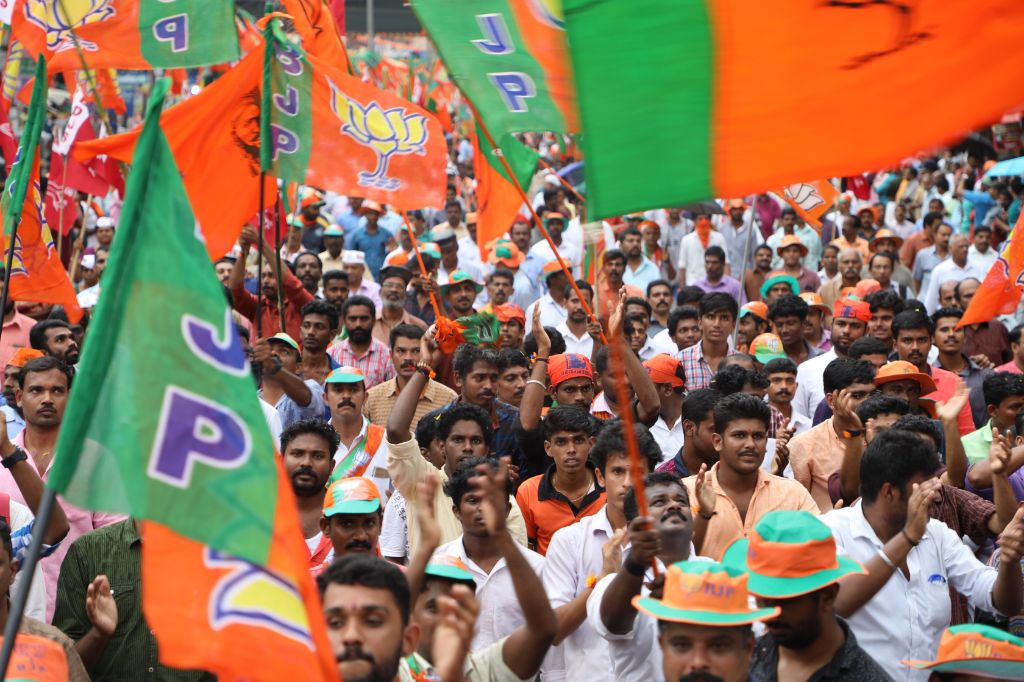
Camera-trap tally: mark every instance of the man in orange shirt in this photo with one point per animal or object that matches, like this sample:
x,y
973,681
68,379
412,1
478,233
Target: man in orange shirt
x,y
735,493
850,239
921,239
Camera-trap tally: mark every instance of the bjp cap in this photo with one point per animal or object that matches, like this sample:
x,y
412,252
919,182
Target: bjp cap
x,y
704,593
352,495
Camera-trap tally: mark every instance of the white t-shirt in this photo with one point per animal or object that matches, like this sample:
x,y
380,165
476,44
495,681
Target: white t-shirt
x,y
691,255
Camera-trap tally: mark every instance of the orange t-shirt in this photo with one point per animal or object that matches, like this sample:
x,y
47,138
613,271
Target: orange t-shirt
x,y
546,510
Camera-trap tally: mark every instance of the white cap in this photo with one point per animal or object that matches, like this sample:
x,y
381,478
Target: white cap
x,y
88,261
551,179
104,221
352,257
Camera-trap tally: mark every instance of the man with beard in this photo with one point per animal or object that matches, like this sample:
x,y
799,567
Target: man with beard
x,y
736,492
360,349
405,355
698,418
581,335
54,338
359,451
513,325
307,449
850,319
309,270
351,520
460,293
359,285
295,295
659,295
513,372
335,287
850,264
12,413
885,306
806,640
223,267
781,374
283,386
319,326
609,282
394,281
15,333
334,245
500,288
754,278
787,315
640,271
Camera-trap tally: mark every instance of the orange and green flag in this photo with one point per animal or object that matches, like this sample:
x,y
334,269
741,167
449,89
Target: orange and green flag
x,y
683,100
315,23
1000,291
498,200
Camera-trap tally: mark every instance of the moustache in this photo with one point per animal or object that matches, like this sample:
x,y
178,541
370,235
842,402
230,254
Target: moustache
x,y
408,365
356,545
354,654
674,512
345,403
303,471
700,677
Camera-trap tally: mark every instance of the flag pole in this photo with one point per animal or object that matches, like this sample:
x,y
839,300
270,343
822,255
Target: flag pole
x,y
565,183
743,266
60,217
277,256
259,262
20,597
89,76
423,269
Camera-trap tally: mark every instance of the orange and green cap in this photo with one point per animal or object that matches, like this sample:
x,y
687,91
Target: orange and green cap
x,y
704,593
767,347
449,568
285,339
779,277
333,231
755,308
975,649
506,253
346,375
458,277
787,554
352,495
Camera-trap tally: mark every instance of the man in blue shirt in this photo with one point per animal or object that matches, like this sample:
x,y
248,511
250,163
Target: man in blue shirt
x,y
983,201
371,239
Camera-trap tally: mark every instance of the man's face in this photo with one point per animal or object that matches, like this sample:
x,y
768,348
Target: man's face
x,y
749,329
714,267
631,245
781,387
1005,413
512,334
636,331
104,235
967,289
520,235
345,401
308,463
741,447
405,355
309,271
885,245
850,225
850,264
479,385
913,346
799,622
942,235
907,389
660,299
846,330
11,383
947,295
858,393
336,291
777,291
958,248
392,293
268,283
355,274
790,329
454,214
812,323
830,260
880,325
574,307
875,360
352,533
359,324
469,512
577,391
316,333
223,270
687,333
982,241
61,344
555,227
614,268
499,289
43,398
763,259
512,384
879,423
701,653
334,245
101,260
787,221
791,255
669,506
465,441
616,479
651,234
881,270
716,326
460,297
569,450
948,339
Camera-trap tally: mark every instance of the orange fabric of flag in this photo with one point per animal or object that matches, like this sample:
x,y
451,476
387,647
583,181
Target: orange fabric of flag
x,y
811,200
37,275
237,620
1000,292
38,659
315,24
543,31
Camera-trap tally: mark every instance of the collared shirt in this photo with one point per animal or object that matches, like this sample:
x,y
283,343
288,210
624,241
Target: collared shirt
x,y
989,339
377,468
815,454
982,261
807,236
375,362
382,329
905,619
726,285
15,336
131,653
825,344
551,313
850,662
974,376
504,443
424,312
810,388
947,271
691,255
770,493
698,372
643,275
977,443
859,243
924,263
381,399
913,244
546,510
367,288
330,263
601,408
668,439
582,344
742,241
295,297
808,280
500,612
291,412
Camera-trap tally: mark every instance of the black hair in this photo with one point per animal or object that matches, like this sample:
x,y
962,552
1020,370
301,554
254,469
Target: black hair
x,y
826,248
404,331
504,273
715,252
867,345
885,299
788,211
614,254
678,315
318,307
426,431
931,217
788,306
37,335
731,379
459,483
629,506
601,360
5,538
331,275
582,285
464,412
879,403
467,355
999,386
1015,333
713,303
780,365
511,357
453,202
658,283
911,319
610,442
310,253
358,300
555,336
629,231
946,312
882,254
689,294
698,403
844,372
741,406
637,300
568,418
44,364
983,228
894,457
920,424
317,427
767,248
363,570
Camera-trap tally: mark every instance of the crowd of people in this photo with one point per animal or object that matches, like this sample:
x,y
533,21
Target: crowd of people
x,y
831,465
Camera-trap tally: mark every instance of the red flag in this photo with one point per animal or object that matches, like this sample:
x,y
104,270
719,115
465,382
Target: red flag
x,y
1000,292
8,144
338,10
860,187
61,209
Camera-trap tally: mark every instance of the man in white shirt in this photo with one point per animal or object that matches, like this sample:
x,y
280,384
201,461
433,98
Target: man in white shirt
x,y
899,609
957,267
981,254
692,248
576,328
552,305
849,322
667,374
554,223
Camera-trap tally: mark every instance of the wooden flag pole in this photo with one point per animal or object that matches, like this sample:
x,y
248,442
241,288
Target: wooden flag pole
x,y
423,269
277,257
259,261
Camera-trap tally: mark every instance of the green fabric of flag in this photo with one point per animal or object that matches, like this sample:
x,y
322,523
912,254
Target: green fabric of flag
x,y
163,422
187,32
286,118
28,150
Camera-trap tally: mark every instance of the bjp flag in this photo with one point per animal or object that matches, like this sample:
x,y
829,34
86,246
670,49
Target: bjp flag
x,y
1000,293
811,200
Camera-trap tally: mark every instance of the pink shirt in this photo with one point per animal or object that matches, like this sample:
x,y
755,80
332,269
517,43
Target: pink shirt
x,y
81,522
1011,367
15,336
945,387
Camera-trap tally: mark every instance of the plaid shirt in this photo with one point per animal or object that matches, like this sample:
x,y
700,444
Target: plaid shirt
x,y
504,442
698,372
375,362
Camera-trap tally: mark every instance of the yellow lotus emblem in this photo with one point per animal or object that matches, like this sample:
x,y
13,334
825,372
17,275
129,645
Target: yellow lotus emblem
x,y
386,131
58,18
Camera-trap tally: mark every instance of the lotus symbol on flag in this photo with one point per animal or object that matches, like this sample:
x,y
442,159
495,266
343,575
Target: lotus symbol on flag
x,y
386,131
804,195
59,18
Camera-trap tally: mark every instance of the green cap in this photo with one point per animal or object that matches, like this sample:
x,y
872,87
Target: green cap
x,y
778,277
334,231
285,339
980,650
449,568
352,495
346,375
458,277
704,593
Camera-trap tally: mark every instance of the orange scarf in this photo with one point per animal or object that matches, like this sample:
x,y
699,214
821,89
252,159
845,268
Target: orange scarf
x,y
703,230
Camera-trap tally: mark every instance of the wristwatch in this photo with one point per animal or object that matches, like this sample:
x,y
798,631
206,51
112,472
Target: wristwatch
x,y
18,455
852,434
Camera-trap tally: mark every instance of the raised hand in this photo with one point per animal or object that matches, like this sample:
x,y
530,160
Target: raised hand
x,y
540,335
100,606
615,321
843,415
949,410
1011,540
611,553
454,632
594,330
429,350
430,530
492,487
705,492
999,453
922,497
